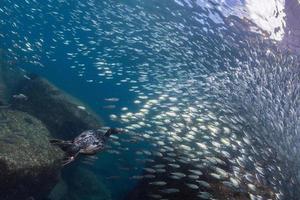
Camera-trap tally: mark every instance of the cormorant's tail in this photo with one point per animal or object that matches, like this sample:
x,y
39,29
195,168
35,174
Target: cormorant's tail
x,y
64,145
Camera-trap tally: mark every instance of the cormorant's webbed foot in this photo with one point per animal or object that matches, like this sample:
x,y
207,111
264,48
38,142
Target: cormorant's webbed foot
x,y
69,159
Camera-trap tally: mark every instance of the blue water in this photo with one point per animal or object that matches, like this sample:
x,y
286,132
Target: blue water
x,y
95,50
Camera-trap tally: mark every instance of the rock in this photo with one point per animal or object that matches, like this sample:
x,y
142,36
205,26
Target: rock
x,y
59,191
29,164
64,116
83,185
143,189
9,79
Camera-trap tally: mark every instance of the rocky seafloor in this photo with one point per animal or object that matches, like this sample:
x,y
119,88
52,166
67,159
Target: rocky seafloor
x,y
32,110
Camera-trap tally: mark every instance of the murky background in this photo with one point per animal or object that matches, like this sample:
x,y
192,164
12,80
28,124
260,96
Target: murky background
x,y
207,90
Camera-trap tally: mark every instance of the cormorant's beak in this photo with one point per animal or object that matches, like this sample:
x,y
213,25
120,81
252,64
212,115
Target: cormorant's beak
x,y
120,130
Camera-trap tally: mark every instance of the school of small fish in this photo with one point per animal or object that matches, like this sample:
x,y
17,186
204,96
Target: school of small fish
x,y
216,104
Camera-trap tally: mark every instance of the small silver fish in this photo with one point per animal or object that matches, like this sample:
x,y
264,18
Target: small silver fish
x,y
111,99
20,96
158,183
170,190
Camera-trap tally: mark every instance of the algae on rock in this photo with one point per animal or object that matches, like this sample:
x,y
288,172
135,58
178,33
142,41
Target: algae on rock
x,y
60,112
29,164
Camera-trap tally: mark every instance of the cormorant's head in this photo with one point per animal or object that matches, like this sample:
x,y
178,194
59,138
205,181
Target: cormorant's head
x,y
113,131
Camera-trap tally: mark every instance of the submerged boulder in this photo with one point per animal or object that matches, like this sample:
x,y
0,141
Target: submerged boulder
x,y
64,116
84,184
32,109
10,77
29,164
203,185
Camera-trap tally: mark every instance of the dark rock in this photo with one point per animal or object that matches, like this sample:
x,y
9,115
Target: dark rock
x,y
29,164
61,113
146,191
84,184
59,191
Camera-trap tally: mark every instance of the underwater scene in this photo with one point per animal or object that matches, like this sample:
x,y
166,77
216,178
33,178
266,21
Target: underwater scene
x,y
149,99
